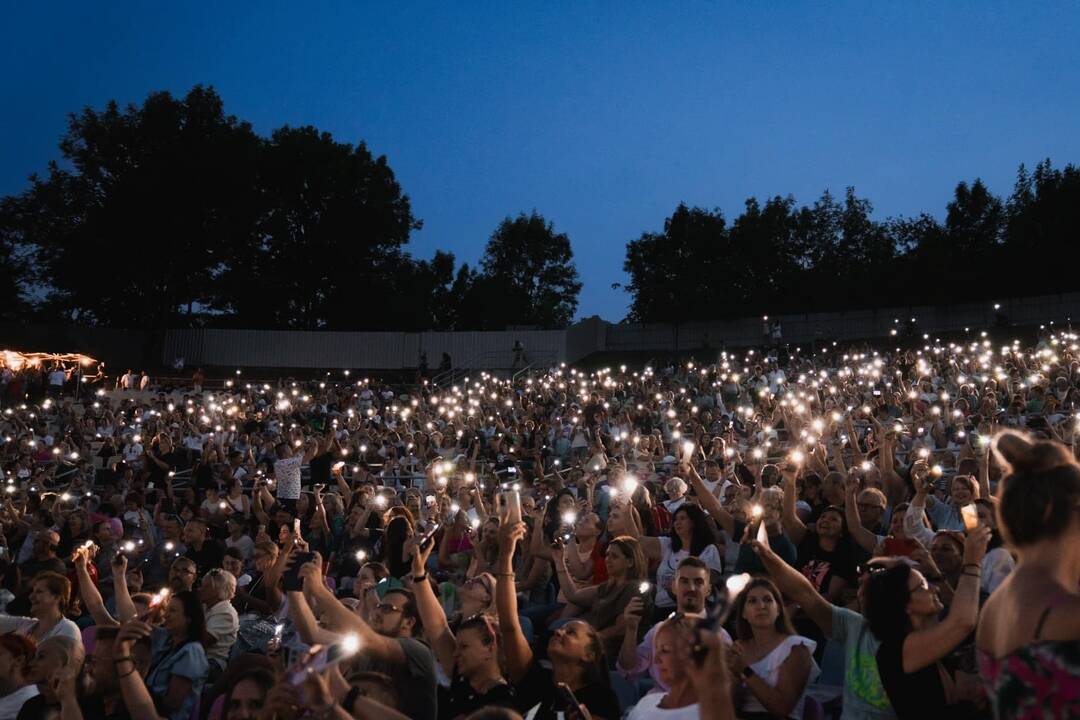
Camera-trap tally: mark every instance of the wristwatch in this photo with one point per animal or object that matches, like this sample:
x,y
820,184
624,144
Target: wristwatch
x,y
748,672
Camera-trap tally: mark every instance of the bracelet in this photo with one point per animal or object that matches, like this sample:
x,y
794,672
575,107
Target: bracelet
x,y
504,574
129,672
970,574
965,566
419,578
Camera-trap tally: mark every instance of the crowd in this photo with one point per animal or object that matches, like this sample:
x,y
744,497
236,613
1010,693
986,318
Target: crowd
x,y
861,533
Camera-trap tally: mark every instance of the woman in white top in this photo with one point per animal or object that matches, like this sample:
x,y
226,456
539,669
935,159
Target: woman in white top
x,y
50,599
680,702
690,535
773,663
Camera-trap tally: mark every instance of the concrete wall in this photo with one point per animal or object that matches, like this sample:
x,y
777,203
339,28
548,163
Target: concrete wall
x,y
493,350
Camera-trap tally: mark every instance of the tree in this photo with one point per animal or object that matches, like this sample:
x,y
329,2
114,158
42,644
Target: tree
x,y
133,230
14,270
1042,225
527,277
673,273
326,251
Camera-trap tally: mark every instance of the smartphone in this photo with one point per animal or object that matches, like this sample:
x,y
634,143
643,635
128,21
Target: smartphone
x,y
291,580
428,535
970,516
511,503
296,527
319,658
566,703
900,546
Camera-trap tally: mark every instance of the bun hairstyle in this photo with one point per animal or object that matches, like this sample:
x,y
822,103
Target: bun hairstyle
x,y
1040,490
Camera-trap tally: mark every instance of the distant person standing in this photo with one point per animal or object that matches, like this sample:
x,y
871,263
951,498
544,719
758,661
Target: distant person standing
x,y
57,378
445,364
197,380
128,380
519,355
144,381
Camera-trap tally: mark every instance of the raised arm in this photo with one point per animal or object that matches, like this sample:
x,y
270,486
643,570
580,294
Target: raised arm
x,y
866,539
925,647
125,608
519,656
584,597
436,629
710,503
89,593
341,619
793,526
795,586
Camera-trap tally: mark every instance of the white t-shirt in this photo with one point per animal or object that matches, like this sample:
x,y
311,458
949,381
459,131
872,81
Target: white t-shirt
x,y
648,708
11,704
287,476
768,669
669,563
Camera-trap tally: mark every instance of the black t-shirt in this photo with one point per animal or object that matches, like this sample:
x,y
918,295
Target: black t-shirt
x,y
920,694
93,708
208,558
461,699
36,708
820,566
538,687
320,468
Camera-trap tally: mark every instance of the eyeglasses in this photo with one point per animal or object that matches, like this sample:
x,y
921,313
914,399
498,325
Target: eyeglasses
x,y
385,607
479,579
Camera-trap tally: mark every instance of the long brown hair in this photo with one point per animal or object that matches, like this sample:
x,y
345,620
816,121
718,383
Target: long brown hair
x,y
631,550
743,631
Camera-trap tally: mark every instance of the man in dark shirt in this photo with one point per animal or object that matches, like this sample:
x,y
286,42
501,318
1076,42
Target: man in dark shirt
x,y
103,699
205,552
43,559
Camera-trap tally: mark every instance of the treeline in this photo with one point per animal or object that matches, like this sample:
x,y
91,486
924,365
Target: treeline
x,y
174,214
780,257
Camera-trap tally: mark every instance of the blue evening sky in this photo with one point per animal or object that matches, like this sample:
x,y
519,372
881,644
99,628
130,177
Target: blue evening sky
x,y
600,115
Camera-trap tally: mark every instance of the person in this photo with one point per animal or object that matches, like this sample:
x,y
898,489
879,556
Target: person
x,y
206,552
179,667
606,602
388,643
252,597
690,536
1029,628
182,574
575,650
902,609
864,695
773,663
50,600
287,470
104,666
16,653
679,700
57,657
247,695
216,591
43,559
468,657
692,587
